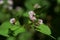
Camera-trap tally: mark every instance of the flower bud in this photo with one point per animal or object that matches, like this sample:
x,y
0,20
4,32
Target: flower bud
x,y
40,21
12,20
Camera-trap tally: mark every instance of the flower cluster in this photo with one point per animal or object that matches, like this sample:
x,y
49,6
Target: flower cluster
x,y
32,15
33,18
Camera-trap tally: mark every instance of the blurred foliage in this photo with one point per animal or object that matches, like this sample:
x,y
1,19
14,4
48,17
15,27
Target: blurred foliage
x,y
58,1
30,4
24,28
58,38
57,9
11,38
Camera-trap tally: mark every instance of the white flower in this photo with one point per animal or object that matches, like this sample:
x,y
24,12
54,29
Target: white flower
x,y
10,2
37,5
31,15
1,1
40,21
12,20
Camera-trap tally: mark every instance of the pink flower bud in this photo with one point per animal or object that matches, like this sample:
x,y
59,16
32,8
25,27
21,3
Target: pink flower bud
x,y
40,21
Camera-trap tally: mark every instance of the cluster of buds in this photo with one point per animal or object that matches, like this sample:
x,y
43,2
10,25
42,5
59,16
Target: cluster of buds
x,y
32,15
33,18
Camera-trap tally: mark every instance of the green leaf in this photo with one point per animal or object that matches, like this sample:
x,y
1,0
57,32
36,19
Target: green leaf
x,y
25,36
26,14
19,30
58,1
44,29
4,28
11,38
16,26
30,4
18,13
4,17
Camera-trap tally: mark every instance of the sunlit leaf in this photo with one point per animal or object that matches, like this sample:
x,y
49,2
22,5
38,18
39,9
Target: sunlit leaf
x,y
16,26
5,28
19,30
44,29
58,1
